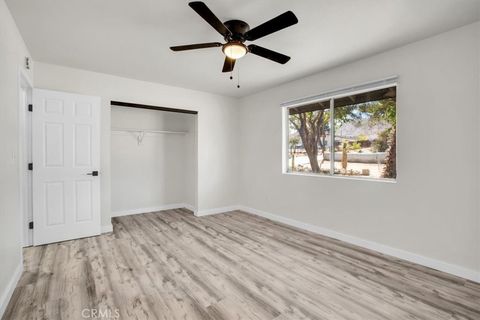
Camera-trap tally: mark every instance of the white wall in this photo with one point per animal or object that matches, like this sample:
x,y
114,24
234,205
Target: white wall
x,y
216,125
433,209
12,54
157,173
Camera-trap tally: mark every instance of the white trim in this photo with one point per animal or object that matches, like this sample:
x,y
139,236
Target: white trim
x,y
332,137
107,228
198,213
24,156
8,291
285,140
207,212
190,207
149,209
394,252
337,176
26,77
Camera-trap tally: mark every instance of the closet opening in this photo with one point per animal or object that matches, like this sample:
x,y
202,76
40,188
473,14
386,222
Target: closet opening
x,y
153,158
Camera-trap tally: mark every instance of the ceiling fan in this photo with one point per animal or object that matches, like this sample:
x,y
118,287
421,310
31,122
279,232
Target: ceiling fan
x,y
236,32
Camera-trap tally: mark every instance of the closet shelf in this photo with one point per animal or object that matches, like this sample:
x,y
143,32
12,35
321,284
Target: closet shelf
x,y
140,133
147,131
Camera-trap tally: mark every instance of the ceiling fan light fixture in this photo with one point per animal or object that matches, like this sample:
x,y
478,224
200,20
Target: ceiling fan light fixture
x,y
234,50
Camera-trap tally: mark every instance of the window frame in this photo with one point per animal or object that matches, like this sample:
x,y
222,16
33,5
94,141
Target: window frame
x,y
332,95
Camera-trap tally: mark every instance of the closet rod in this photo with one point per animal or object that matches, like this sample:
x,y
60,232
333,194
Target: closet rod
x,y
146,106
147,131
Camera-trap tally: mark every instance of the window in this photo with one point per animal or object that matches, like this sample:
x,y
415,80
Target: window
x,y
349,133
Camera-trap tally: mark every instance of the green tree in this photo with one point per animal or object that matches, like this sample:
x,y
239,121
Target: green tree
x,y
312,127
385,111
380,144
381,111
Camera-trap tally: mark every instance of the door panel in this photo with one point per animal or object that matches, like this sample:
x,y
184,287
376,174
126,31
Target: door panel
x,y
83,145
83,200
83,109
54,203
54,143
53,106
65,148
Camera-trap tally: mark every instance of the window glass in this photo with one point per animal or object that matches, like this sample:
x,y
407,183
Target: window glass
x,y
364,130
309,138
365,139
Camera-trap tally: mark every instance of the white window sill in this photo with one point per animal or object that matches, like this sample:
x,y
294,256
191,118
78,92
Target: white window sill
x,y
339,177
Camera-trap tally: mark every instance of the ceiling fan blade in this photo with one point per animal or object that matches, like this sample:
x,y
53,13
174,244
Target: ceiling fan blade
x,y
196,46
204,12
228,65
278,23
268,54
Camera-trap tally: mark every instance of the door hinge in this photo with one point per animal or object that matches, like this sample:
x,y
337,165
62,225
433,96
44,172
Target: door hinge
x,y
30,166
30,225
30,107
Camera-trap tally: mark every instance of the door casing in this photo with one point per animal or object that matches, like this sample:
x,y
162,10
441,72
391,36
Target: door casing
x,y
25,88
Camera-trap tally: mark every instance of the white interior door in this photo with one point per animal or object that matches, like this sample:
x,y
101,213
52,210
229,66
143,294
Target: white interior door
x,y
66,155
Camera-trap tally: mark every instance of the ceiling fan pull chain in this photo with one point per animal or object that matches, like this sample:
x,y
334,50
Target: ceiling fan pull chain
x,y
238,77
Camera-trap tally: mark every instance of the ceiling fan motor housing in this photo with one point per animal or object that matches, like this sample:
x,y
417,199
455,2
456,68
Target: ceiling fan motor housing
x,y
238,29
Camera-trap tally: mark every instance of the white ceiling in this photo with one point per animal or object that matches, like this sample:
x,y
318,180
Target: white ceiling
x,y
131,38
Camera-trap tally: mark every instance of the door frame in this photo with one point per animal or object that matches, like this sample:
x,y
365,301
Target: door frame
x,y
25,86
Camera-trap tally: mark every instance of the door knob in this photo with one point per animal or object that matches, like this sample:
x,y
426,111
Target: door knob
x,y
93,173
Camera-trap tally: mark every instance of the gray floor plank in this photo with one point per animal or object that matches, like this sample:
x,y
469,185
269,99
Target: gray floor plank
x,y
173,265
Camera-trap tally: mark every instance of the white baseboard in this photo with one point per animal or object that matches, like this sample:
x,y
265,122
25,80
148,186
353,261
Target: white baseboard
x,y
150,209
190,207
198,213
207,212
8,291
398,253
107,228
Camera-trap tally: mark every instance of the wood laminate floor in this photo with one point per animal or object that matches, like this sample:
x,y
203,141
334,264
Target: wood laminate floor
x,y
172,265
